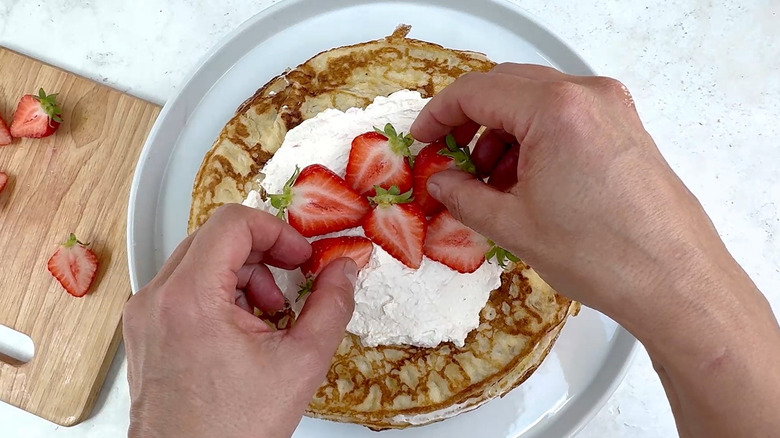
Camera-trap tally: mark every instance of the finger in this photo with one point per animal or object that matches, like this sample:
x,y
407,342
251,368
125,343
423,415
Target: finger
x,y
490,147
171,264
534,71
242,302
228,239
504,176
321,324
474,203
261,290
488,99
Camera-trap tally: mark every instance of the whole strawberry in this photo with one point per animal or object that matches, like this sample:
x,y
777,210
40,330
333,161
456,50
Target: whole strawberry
x,y
36,116
74,266
3,181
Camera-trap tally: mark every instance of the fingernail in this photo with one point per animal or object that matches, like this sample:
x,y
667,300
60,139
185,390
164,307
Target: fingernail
x,y
434,189
350,271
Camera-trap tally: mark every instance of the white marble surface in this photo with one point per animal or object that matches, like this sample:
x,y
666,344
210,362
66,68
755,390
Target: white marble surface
x,y
705,75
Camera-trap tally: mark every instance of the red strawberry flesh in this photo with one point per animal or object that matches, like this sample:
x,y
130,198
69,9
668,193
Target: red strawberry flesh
x,y
397,226
379,158
5,134
324,251
319,202
427,163
453,244
36,116
74,266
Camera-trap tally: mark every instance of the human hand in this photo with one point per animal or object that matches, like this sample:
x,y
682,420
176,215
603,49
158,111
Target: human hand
x,y
200,364
587,200
581,193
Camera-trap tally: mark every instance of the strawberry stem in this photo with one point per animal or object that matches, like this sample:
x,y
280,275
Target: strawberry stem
x,y
501,255
460,155
390,196
305,289
282,200
399,143
73,240
49,105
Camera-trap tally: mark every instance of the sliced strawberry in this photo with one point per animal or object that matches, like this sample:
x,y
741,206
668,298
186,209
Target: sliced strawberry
x,y
397,225
435,158
324,251
74,266
454,244
36,116
3,181
5,134
380,158
318,202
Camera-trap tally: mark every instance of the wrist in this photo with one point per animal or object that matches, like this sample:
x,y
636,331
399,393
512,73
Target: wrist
x,y
700,303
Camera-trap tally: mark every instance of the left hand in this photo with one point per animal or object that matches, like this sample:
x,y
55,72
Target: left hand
x,y
200,364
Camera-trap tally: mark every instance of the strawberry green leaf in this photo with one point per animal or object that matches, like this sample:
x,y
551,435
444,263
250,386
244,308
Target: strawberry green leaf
x,y
282,200
500,254
460,155
390,196
399,143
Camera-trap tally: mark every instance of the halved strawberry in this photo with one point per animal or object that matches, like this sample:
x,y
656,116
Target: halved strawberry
x,y
318,202
36,116
5,134
454,244
3,181
326,250
380,158
397,225
434,158
74,266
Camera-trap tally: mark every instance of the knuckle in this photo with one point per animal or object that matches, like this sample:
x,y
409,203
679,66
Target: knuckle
x,y
610,85
470,77
504,66
569,101
228,211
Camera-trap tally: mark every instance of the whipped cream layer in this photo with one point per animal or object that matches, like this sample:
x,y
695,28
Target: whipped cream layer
x,y
394,305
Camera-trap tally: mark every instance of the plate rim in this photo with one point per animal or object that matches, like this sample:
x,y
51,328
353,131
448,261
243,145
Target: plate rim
x,y
624,346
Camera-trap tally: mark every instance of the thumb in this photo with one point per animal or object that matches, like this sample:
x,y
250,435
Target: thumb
x,y
321,324
476,204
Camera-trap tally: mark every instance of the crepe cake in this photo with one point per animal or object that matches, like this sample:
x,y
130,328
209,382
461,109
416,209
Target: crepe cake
x,y
386,386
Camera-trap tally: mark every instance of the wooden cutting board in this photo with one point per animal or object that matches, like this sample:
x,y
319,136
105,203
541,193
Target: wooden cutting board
x,y
75,181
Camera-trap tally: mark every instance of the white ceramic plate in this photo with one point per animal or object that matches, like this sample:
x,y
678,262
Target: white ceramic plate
x,y
592,353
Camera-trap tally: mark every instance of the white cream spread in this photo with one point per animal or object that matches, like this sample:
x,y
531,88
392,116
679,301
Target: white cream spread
x,y
393,303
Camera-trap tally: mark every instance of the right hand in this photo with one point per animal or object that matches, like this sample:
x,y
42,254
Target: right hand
x,y
579,190
577,187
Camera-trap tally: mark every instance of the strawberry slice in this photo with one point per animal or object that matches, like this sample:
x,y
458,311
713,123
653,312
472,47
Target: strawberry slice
x,y
326,250
318,202
435,158
397,225
74,266
3,181
454,244
380,158
5,134
36,116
